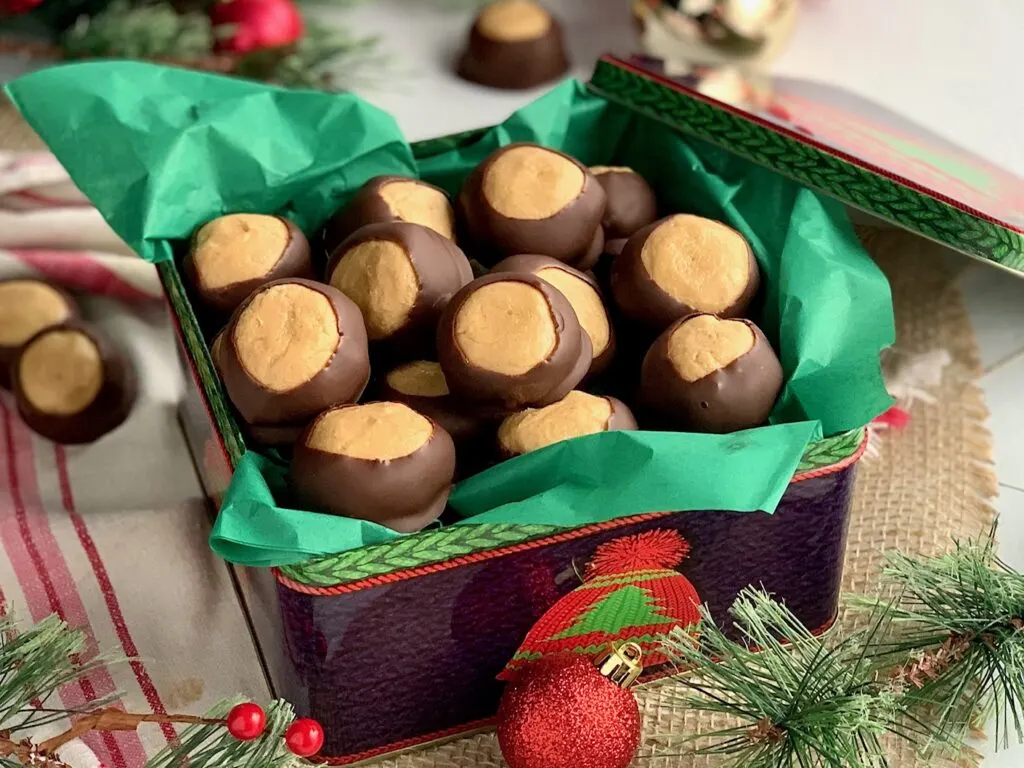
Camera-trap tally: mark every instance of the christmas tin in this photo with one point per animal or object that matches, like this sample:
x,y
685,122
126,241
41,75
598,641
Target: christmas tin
x,y
395,640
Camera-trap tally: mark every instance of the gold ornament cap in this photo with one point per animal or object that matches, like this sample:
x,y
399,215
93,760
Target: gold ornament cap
x,y
621,663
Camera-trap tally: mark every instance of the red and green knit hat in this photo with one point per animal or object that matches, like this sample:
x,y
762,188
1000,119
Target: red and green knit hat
x,y
631,592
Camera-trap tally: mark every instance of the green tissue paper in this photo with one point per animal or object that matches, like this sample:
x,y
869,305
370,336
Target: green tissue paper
x,y
160,151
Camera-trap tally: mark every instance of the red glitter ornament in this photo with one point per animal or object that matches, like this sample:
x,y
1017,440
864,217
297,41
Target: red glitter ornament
x,y
304,737
17,7
256,24
247,721
566,711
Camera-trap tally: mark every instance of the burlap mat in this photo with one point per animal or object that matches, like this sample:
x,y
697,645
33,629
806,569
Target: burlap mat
x,y
931,481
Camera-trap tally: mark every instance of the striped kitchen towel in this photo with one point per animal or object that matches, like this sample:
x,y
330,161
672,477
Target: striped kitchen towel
x,y
112,536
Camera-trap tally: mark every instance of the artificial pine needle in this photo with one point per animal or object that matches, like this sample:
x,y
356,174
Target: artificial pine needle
x,y
959,617
798,700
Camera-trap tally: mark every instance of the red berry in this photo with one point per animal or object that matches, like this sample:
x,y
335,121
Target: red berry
x,y
304,737
15,7
247,721
256,24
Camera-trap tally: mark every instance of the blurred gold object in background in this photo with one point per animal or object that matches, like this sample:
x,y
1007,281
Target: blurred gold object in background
x,y
727,46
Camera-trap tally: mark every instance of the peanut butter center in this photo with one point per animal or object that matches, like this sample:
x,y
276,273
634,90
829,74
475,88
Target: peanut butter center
x,y
374,431
600,170
421,378
511,21
26,307
286,335
379,277
574,415
531,183
698,262
585,301
506,327
238,247
706,344
61,372
419,204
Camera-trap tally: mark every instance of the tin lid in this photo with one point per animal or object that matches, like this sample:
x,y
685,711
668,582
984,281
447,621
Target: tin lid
x,y
849,148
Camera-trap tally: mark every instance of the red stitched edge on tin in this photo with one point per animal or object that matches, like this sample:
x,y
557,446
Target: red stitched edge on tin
x,y
476,557
406,743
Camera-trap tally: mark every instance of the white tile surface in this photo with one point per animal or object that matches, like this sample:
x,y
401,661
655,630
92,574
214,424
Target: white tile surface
x,y
1004,394
996,303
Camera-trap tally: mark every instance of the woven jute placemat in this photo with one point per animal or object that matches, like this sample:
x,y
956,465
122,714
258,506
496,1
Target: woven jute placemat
x,y
929,482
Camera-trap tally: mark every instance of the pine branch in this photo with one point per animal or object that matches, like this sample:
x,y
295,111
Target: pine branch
x,y
323,58
33,666
134,31
37,662
791,699
116,720
957,644
211,746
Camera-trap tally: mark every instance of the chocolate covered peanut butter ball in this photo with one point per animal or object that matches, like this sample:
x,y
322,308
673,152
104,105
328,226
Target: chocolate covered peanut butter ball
x,y
380,461
28,306
292,349
525,198
421,385
575,415
233,255
401,277
706,374
72,384
583,294
511,340
680,265
390,198
631,201
514,44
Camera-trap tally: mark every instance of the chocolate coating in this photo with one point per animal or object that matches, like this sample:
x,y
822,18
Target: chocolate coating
x,y
341,380
740,395
631,203
494,393
620,418
589,259
405,494
366,207
293,262
614,247
106,411
273,435
640,298
441,269
9,352
513,64
532,264
569,235
269,435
